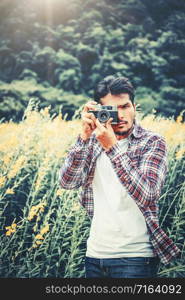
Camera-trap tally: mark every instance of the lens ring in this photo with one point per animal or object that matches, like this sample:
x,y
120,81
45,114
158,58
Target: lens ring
x,y
103,115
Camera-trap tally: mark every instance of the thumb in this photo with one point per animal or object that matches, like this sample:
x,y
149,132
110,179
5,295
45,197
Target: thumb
x,y
108,123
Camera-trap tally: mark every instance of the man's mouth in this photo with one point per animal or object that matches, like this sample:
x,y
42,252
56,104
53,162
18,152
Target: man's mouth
x,y
122,123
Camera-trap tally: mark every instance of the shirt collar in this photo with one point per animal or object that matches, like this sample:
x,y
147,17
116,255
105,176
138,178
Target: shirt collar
x,y
137,131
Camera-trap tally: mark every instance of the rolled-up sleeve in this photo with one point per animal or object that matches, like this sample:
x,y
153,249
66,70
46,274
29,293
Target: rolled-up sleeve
x,y
74,169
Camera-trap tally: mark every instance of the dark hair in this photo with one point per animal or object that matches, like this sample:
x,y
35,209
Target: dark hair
x,y
115,86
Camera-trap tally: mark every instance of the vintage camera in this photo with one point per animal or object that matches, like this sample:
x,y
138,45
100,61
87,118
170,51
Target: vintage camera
x,y
104,112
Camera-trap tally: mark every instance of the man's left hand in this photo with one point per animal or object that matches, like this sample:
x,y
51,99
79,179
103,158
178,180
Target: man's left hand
x,y
105,134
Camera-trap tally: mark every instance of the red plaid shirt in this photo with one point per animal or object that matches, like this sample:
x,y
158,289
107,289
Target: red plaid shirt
x,y
142,170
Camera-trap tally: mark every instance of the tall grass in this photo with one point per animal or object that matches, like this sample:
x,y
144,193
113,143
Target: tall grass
x,y
43,227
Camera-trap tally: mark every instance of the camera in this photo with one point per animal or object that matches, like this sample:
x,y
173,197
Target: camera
x,y
104,112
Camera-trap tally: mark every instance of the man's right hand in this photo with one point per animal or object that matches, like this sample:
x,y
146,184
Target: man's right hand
x,y
88,120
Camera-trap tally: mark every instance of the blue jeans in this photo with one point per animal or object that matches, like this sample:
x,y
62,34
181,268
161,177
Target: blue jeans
x,y
126,267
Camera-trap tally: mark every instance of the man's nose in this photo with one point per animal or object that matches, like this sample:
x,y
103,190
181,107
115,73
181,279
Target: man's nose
x,y
121,115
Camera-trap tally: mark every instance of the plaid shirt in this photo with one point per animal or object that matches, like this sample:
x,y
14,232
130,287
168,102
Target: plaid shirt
x,y
142,170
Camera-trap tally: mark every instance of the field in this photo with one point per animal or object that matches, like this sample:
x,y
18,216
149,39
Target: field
x,y
43,227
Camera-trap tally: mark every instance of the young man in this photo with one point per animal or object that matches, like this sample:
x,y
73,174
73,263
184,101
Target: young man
x,y
121,169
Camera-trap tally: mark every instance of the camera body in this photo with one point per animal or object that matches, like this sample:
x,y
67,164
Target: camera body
x,y
104,112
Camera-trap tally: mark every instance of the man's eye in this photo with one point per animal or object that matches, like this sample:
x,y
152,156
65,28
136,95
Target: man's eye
x,y
124,106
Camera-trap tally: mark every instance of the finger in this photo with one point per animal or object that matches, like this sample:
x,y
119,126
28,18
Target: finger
x,y
88,116
99,125
91,116
108,123
89,121
89,105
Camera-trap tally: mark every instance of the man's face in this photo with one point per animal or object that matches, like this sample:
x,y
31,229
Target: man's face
x,y
126,113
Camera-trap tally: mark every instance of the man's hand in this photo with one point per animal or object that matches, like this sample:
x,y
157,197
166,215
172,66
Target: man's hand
x,y
88,120
105,134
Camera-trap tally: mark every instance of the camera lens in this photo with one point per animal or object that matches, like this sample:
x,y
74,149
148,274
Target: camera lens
x,y
103,115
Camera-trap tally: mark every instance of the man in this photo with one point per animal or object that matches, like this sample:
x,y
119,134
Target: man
x,y
121,169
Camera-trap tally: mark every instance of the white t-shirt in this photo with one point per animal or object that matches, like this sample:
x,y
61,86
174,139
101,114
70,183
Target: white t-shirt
x,y
118,227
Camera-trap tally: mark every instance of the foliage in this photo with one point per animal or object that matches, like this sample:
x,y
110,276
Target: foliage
x,y
16,96
71,45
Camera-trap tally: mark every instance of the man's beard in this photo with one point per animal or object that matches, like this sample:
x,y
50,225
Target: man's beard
x,y
125,132
122,133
